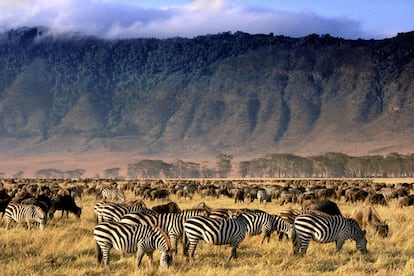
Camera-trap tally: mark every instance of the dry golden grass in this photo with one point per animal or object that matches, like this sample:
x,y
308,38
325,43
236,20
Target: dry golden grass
x,y
67,247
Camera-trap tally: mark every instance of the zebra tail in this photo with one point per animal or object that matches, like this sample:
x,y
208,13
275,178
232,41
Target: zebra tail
x,y
99,254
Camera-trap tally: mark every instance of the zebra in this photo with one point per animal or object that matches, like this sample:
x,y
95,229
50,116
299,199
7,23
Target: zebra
x,y
215,231
170,223
113,194
127,238
325,229
28,213
290,215
109,211
261,222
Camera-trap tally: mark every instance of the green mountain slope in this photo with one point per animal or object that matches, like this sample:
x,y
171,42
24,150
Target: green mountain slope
x,y
235,93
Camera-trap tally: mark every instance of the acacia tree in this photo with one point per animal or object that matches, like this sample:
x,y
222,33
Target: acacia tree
x,y
224,165
112,172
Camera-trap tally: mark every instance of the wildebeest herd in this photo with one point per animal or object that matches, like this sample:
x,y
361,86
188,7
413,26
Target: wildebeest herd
x,y
130,226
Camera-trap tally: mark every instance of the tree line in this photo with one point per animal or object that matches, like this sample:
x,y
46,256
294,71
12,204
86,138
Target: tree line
x,y
275,165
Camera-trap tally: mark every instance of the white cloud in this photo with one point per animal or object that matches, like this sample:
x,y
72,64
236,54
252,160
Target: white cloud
x,y
122,19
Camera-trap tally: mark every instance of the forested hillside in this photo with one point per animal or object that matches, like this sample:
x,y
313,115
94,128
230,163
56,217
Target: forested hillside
x,y
236,93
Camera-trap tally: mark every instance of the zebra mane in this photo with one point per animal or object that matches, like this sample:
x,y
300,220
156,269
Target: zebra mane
x,y
164,235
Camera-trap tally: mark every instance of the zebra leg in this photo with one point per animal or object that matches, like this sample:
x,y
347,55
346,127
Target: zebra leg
x,y
140,255
174,242
266,235
150,255
297,244
191,249
105,254
233,252
98,253
339,244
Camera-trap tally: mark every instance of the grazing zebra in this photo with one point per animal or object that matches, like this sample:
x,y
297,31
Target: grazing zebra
x,y
215,231
170,223
21,213
112,194
261,222
128,238
290,215
108,211
325,229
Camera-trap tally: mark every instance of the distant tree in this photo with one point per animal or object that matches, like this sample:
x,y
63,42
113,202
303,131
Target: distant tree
x,y
18,174
149,169
49,173
185,169
244,168
2,174
77,173
207,172
224,166
112,172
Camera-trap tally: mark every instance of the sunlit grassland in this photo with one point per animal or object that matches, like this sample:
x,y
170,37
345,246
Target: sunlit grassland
x,y
67,247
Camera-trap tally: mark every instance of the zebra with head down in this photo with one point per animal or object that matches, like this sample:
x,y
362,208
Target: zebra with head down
x,y
171,223
25,213
261,222
127,238
325,229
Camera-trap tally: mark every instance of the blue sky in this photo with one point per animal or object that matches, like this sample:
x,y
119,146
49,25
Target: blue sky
x,y
188,18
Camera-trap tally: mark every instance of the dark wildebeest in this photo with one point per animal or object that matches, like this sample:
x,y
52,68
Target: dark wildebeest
x,y
377,199
324,205
159,194
239,196
5,198
65,203
406,201
366,215
170,207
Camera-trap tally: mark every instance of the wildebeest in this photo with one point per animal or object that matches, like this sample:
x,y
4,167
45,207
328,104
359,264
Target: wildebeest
x,y
65,203
367,215
239,196
170,207
159,194
406,201
324,205
377,199
5,198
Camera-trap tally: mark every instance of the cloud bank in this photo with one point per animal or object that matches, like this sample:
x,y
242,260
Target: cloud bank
x,y
127,19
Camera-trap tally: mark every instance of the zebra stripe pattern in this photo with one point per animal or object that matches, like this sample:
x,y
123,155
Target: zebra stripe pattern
x,y
261,222
325,229
128,238
21,213
170,223
290,215
107,211
112,194
215,231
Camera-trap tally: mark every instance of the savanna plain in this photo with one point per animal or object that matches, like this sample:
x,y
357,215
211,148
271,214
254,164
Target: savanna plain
x,y
67,247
